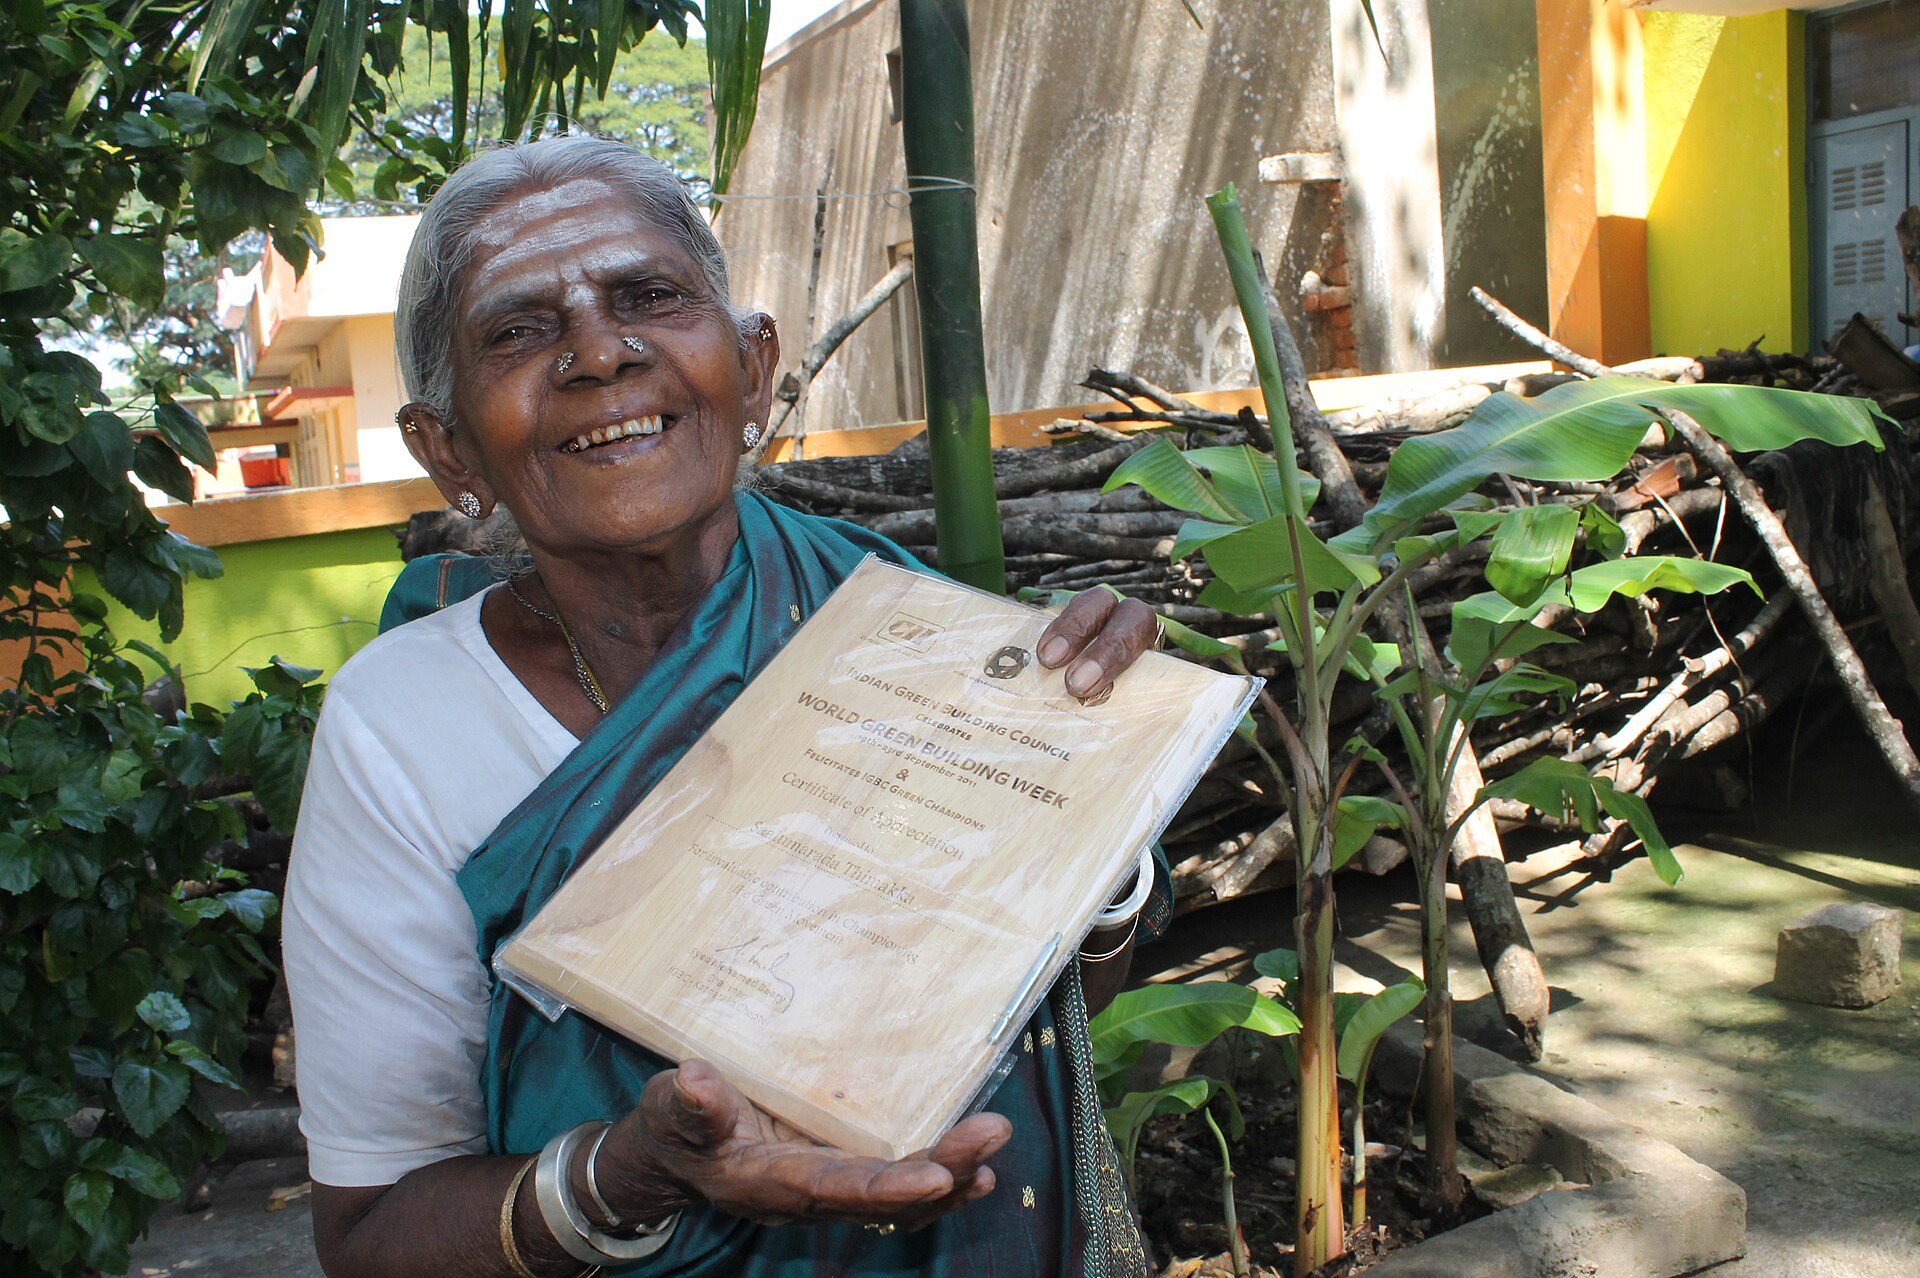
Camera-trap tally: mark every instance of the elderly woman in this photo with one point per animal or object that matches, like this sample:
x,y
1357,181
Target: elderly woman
x,y
564,323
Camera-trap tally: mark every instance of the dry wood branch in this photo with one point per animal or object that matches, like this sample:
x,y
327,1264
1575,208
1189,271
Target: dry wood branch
x,y
1069,474
1527,333
793,387
1630,734
1907,231
1125,386
1887,579
1880,724
816,493
1499,933
1324,457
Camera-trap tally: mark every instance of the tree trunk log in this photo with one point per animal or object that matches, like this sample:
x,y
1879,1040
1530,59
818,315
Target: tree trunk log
x,y
1499,933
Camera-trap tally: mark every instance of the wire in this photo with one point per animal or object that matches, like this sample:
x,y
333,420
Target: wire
x,y
915,186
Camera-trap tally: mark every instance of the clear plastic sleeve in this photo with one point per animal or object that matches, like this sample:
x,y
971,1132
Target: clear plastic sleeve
x,y
854,890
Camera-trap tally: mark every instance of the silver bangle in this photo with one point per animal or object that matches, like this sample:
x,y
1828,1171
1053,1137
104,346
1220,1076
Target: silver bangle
x,y
1114,915
593,1180
576,1234
1125,941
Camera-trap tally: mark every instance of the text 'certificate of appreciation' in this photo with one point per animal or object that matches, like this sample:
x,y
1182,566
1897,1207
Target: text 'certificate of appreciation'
x,y
855,887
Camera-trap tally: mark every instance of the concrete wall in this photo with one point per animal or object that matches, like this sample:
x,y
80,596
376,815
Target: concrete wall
x,y
1726,181
1486,93
1100,125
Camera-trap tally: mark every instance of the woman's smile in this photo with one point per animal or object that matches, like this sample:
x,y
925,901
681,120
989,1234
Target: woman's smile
x,y
633,428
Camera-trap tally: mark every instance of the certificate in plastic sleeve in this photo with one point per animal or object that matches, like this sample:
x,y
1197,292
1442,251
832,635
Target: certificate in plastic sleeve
x,y
853,890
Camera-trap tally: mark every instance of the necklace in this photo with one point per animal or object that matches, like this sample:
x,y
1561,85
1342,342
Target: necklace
x,y
581,670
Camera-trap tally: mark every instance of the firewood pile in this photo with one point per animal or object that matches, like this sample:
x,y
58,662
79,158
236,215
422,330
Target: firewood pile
x,y
1664,687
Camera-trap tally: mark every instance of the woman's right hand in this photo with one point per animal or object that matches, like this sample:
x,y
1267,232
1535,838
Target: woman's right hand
x,y
695,1138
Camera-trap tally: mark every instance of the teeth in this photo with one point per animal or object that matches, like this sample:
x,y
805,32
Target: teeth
x,y
651,425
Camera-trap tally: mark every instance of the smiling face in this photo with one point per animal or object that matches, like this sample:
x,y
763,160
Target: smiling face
x,y
616,448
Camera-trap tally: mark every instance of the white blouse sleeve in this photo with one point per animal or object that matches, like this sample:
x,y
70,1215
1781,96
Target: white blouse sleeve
x,y
389,996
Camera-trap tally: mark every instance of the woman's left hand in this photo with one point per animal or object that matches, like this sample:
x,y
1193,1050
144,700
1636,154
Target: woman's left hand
x,y
1096,637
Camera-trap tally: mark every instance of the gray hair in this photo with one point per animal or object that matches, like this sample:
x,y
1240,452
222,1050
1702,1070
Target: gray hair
x,y
443,246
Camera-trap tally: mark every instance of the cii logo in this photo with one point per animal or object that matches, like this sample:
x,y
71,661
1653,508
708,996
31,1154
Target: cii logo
x,y
909,631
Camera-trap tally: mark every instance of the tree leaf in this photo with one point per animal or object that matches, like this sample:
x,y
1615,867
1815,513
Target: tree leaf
x,y
1192,641
1184,1016
1282,965
1262,556
158,466
128,265
201,1063
1588,588
736,46
1588,431
1565,790
28,261
1605,537
184,432
1249,480
1531,547
1373,1018
1188,1095
1356,817
41,1100
87,1196
145,1173
164,1011
105,448
150,1094
252,906
279,773
1164,473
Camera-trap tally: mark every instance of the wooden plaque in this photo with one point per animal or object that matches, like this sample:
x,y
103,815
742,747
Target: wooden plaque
x,y
853,890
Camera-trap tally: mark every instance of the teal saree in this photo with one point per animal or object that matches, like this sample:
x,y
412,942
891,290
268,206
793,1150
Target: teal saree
x,y
1060,1207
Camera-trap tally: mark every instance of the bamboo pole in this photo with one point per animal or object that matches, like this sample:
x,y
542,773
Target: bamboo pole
x,y
936,108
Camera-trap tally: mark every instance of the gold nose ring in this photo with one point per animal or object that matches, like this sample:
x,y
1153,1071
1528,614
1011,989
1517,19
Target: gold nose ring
x,y
634,344
566,362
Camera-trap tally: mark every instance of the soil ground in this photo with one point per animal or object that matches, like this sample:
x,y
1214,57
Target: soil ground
x,y
1662,1014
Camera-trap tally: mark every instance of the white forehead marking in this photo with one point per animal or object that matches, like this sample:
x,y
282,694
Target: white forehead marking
x,y
506,223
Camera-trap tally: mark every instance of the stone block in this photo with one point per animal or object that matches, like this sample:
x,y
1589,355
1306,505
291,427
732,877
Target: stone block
x,y
1840,956
1646,1211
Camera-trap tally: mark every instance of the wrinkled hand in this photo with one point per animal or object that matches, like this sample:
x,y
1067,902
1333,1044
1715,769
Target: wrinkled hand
x,y
695,1138
1100,635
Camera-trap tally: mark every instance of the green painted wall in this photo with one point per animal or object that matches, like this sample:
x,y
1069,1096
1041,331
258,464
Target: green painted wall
x,y
1727,216
313,601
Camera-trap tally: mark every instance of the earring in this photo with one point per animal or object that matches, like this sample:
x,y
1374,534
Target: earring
x,y
404,420
634,344
566,362
469,505
751,434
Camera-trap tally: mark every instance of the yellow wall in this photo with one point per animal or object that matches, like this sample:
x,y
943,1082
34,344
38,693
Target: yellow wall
x,y
1726,218
313,601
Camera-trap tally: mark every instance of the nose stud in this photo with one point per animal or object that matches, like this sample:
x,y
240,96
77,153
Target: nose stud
x,y
566,362
634,344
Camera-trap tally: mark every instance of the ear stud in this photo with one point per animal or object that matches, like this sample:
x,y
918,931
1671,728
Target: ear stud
x,y
469,505
751,434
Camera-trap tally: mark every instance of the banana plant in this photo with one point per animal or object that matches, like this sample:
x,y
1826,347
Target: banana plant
x,y
1180,1016
1326,595
1360,1020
